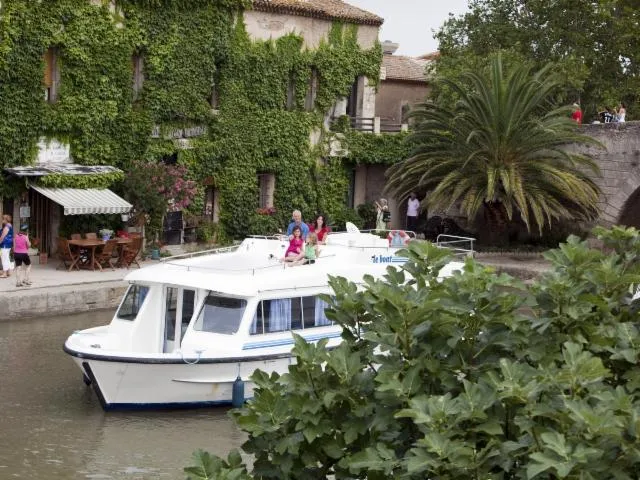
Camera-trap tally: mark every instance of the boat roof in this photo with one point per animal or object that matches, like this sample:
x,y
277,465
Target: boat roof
x,y
254,267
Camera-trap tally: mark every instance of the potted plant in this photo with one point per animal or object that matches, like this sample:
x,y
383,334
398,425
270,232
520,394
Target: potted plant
x,y
105,233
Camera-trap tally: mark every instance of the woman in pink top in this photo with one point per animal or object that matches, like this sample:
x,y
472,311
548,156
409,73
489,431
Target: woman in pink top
x,y
21,246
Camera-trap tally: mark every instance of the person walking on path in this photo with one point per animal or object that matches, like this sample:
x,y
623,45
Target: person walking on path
x,y
21,245
413,205
6,243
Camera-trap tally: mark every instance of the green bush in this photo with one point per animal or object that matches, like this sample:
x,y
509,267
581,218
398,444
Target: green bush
x,y
207,232
338,222
368,213
264,225
474,376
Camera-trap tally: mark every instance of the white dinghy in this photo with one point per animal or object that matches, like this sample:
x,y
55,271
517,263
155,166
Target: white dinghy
x,y
188,327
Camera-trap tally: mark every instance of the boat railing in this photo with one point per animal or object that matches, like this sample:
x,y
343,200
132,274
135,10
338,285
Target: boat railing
x,y
389,231
460,246
276,265
199,253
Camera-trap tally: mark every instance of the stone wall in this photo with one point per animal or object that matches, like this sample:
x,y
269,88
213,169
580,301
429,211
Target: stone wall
x,y
265,26
619,163
65,299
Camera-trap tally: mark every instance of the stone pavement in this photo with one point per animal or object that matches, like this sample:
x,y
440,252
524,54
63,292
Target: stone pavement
x,y
46,276
522,266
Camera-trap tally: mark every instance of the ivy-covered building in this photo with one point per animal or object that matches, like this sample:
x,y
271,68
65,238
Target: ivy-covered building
x,y
245,95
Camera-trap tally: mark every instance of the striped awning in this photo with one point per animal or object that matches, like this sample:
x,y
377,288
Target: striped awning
x,y
82,201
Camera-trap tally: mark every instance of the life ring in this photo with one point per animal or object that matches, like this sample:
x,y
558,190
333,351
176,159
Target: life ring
x,y
398,238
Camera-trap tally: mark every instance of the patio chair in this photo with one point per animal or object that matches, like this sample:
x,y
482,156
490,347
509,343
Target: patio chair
x,y
92,236
66,255
131,252
105,256
76,236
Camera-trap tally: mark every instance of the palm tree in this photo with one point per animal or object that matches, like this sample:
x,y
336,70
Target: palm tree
x,y
501,149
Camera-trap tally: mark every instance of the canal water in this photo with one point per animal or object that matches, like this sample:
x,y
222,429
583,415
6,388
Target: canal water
x,y
52,426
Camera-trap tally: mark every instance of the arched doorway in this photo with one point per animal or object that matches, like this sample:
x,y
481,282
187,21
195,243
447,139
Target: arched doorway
x,y
630,215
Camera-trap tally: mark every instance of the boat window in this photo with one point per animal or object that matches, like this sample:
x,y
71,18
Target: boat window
x,y
284,314
132,302
170,313
296,313
220,315
188,304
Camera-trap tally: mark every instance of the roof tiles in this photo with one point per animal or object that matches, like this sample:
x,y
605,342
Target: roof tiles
x,y
324,9
398,67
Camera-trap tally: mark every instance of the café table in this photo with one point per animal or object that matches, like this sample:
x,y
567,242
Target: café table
x,y
90,245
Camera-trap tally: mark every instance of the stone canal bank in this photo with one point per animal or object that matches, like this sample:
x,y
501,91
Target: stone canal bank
x,y
58,292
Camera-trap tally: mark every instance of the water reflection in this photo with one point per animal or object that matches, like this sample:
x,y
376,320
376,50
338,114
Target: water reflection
x,y
52,425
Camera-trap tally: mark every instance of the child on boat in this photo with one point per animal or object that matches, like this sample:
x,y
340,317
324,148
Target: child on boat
x,y
310,253
296,246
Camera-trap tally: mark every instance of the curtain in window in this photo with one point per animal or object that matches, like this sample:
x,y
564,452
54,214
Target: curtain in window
x,y
280,315
321,319
254,323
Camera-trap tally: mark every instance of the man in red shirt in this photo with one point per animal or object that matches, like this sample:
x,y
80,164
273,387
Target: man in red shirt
x,y
576,116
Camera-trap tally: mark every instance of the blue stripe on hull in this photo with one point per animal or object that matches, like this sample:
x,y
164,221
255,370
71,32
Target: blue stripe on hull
x,y
287,341
115,407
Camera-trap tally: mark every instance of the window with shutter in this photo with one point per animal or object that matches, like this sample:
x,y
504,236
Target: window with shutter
x,y
291,91
137,62
312,90
51,78
267,186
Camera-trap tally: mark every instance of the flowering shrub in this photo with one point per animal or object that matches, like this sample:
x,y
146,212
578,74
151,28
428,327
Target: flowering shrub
x,y
155,188
177,191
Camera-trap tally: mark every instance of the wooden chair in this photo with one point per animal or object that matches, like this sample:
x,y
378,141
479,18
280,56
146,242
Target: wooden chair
x,y
105,256
131,252
76,236
66,255
92,236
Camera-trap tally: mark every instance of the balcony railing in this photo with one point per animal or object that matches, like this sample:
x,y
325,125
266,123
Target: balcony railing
x,y
373,124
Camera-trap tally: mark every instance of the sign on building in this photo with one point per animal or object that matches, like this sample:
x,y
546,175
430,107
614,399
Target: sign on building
x,y
51,150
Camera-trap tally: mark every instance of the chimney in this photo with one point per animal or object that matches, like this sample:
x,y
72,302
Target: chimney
x,y
389,48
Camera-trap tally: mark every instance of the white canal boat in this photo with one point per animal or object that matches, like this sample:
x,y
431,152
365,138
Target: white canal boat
x,y
188,327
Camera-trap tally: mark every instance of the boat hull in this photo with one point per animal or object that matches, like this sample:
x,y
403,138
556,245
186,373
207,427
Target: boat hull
x,y
124,385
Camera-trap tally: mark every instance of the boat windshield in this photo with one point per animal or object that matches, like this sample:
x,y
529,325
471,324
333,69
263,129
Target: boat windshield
x,y
220,315
132,302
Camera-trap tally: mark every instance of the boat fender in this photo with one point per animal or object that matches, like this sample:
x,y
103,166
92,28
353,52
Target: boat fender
x,y
237,397
398,238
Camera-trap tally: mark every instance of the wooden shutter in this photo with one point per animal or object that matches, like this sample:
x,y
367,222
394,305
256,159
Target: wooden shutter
x,y
48,67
